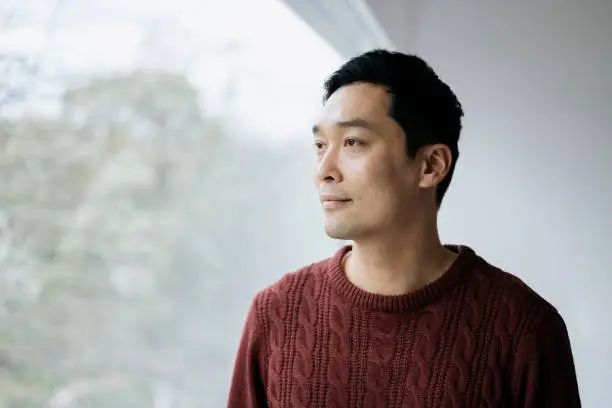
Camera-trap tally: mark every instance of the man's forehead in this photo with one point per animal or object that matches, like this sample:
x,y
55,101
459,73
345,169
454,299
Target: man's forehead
x,y
364,101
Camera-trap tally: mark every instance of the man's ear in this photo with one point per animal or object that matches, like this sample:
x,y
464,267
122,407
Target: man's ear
x,y
436,161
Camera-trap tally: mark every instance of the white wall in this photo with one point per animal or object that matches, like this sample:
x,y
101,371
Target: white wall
x,y
533,188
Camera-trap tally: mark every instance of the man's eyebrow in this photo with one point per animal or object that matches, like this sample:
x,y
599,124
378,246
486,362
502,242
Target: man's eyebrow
x,y
351,123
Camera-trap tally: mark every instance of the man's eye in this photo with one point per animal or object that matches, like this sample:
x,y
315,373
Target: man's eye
x,y
318,145
352,142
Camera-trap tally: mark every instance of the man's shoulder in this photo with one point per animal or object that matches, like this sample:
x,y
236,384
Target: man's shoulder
x,y
509,294
304,282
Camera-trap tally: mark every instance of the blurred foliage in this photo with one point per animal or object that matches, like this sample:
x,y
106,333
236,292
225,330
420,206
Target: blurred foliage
x,y
135,226
123,237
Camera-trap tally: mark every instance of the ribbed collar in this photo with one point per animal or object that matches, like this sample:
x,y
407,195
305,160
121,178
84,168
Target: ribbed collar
x,y
400,303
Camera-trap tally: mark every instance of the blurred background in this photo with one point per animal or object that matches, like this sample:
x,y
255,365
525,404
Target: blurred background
x,y
155,172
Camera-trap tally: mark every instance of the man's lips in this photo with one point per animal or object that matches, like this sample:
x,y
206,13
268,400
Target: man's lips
x,y
331,201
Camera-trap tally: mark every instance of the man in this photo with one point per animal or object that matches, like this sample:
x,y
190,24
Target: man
x,y
397,319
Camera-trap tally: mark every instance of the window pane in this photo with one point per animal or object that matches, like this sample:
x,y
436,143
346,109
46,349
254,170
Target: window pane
x,y
155,171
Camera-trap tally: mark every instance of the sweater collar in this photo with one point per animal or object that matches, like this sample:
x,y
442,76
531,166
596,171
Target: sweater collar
x,y
400,303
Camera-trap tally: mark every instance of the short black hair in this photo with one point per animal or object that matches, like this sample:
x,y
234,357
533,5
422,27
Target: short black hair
x,y
421,103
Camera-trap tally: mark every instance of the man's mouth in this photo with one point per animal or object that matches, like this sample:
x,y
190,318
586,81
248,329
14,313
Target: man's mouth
x,y
334,203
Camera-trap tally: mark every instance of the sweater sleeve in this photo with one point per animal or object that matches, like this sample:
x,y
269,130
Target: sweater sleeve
x,y
544,373
247,389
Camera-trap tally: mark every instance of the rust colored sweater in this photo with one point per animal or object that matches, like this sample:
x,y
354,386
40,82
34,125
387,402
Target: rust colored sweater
x,y
476,337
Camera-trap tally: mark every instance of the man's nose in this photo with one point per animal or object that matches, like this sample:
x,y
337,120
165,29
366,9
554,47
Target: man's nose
x,y
328,169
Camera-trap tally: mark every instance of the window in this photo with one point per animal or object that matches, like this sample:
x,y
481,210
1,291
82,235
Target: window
x,y
154,173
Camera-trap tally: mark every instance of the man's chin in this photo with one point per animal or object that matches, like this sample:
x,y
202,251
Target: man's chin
x,y
340,232
339,237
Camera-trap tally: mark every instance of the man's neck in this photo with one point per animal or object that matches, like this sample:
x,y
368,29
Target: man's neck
x,y
397,265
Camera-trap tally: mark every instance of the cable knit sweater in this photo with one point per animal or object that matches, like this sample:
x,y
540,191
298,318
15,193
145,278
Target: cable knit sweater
x,y
476,337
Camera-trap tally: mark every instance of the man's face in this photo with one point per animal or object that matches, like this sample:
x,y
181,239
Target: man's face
x,y
366,182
